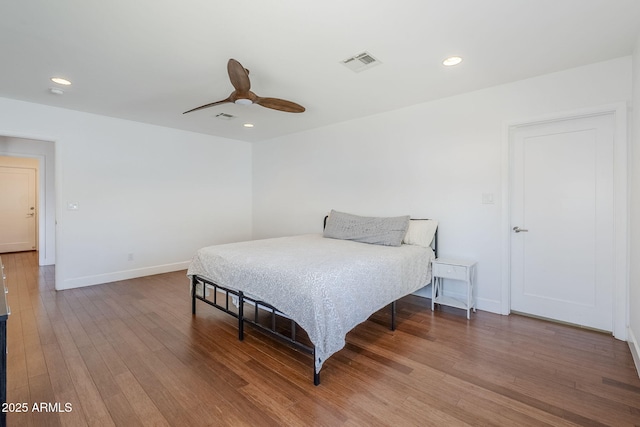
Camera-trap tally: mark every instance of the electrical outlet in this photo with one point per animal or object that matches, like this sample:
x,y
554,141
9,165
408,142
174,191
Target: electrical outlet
x,y
130,257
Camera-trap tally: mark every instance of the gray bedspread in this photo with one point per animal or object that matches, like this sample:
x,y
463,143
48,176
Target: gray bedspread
x,y
327,286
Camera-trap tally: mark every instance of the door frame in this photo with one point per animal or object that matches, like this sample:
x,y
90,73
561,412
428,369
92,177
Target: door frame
x,y
620,208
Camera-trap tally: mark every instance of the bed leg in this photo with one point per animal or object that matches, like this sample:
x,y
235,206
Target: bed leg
x,y
316,374
194,283
240,316
393,316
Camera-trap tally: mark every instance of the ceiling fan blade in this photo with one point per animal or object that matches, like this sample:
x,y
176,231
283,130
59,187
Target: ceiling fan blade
x,y
280,104
239,76
202,107
242,94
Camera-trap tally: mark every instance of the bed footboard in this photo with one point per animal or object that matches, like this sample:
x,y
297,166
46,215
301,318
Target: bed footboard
x,y
250,316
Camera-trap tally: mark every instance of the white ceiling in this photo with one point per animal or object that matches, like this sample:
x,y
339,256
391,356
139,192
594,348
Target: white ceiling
x,y
151,60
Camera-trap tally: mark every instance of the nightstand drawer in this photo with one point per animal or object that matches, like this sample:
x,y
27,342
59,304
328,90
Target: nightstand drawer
x,y
457,272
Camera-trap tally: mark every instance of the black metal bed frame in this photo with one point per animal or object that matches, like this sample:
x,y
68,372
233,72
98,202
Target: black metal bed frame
x,y
253,320
270,330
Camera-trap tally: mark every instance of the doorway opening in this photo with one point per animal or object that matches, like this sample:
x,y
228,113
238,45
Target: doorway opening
x,y
18,204
16,151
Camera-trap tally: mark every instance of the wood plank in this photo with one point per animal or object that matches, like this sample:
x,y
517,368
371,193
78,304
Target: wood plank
x,y
146,411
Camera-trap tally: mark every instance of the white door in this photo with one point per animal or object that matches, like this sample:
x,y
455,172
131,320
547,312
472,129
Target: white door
x,y
17,209
562,216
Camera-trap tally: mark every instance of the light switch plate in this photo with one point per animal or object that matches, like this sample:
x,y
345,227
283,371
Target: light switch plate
x,y
487,198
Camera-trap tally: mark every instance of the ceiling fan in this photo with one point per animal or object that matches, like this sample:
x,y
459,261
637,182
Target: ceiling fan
x,y
242,94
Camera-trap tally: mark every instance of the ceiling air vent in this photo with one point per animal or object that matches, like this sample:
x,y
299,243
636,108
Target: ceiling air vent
x,y
225,116
361,62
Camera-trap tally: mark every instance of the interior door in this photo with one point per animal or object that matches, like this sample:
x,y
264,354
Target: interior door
x,y
562,237
17,209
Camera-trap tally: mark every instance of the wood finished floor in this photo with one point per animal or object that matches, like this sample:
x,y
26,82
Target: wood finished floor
x,y
130,353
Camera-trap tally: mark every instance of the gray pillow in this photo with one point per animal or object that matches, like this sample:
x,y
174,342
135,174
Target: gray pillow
x,y
387,231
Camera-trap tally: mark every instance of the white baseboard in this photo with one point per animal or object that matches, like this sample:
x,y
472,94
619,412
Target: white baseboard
x,y
78,282
492,306
483,304
634,346
424,292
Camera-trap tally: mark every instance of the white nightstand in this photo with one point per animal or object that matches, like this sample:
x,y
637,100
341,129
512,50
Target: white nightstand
x,y
453,269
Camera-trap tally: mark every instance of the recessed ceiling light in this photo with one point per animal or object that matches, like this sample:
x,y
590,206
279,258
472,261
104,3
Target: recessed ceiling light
x,y
451,61
60,81
248,125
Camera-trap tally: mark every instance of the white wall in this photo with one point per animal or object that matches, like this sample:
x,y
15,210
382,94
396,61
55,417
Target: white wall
x,y
153,192
431,160
634,161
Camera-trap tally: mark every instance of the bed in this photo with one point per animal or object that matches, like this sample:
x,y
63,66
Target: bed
x,y
324,283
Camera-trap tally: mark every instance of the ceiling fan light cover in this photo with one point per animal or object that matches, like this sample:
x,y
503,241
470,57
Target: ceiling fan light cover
x,y
243,101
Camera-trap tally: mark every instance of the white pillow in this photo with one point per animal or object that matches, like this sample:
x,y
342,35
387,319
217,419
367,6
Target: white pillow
x,y
420,232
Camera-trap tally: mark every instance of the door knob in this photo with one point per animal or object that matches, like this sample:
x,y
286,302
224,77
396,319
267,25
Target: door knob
x,y
519,230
